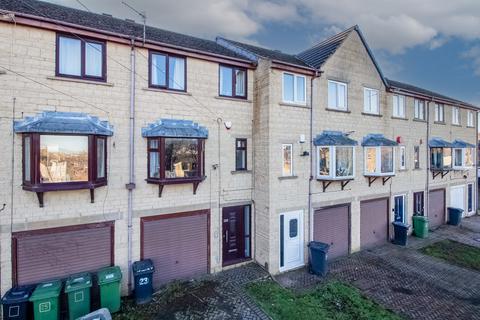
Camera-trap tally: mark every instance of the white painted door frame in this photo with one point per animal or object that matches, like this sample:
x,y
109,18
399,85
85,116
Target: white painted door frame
x,y
292,247
458,197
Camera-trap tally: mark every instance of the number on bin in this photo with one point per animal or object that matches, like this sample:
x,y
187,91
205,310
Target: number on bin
x,y
143,281
44,307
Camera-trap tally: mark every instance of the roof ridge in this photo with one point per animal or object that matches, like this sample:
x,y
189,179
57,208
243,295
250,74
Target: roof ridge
x,y
331,39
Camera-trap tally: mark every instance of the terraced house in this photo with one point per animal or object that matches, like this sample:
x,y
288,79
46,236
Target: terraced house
x,y
202,155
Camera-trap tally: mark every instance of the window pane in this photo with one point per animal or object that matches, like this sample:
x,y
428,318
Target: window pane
x,y
387,160
176,73
159,70
63,158
226,81
153,144
402,106
447,157
366,100
374,101
402,158
371,160
300,89
344,161
93,59
26,159
69,56
396,109
293,228
240,82
288,87
241,157
416,156
332,94
287,160
469,157
246,215
324,161
437,158
458,157
181,158
154,164
342,98
100,158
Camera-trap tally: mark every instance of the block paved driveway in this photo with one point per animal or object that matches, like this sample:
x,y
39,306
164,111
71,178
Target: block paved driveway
x,y
411,284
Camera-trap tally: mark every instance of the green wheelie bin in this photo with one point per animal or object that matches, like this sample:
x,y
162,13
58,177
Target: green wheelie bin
x,y
46,301
420,226
77,289
109,282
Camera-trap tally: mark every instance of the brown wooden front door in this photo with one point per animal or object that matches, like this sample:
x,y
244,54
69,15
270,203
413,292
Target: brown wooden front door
x,y
236,234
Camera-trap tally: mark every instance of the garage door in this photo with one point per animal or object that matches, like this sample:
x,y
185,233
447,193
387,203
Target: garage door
x,y
178,245
331,225
436,208
56,253
373,223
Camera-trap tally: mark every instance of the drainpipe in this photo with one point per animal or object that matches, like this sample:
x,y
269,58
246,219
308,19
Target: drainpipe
x,y
310,180
427,166
131,184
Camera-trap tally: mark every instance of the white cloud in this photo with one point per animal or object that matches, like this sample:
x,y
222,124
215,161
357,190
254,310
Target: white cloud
x,y
473,54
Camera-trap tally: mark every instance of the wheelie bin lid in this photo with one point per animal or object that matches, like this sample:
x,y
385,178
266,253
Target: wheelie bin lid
x,y
455,209
17,294
78,281
316,245
109,275
143,267
46,290
421,218
401,224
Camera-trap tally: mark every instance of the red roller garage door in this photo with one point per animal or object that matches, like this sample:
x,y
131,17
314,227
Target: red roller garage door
x,y
178,244
56,253
373,223
331,225
436,208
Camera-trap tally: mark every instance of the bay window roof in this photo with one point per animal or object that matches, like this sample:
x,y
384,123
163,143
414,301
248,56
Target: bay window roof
x,y
175,128
462,144
377,140
64,122
439,143
333,138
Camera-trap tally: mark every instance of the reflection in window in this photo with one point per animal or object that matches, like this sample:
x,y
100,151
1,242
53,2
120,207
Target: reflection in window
x,y
458,158
63,158
344,161
387,160
379,161
172,77
371,160
469,157
287,169
26,158
293,228
100,158
324,161
181,158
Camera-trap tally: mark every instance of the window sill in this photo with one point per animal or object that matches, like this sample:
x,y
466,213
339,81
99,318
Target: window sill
x,y
338,110
419,120
335,179
295,105
471,127
399,118
379,175
98,83
372,114
3,72
440,122
456,125
233,99
287,177
167,91
240,171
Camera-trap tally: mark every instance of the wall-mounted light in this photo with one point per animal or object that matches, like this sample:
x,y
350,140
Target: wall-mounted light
x,y
302,138
228,125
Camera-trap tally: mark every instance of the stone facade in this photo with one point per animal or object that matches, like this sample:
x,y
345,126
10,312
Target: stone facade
x,y
263,119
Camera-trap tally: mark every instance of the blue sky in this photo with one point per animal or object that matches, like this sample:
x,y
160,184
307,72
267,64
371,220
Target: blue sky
x,y
434,44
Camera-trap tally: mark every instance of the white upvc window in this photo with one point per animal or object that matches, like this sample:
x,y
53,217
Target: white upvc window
x,y
463,158
455,115
399,106
371,101
439,112
419,109
337,95
335,162
403,158
440,158
470,121
294,88
287,159
379,161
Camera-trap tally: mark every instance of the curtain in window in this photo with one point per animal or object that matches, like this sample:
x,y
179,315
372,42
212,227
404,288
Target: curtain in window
x,y
154,164
371,160
26,159
387,160
458,157
69,56
344,161
176,76
159,70
226,81
447,157
240,82
100,158
93,59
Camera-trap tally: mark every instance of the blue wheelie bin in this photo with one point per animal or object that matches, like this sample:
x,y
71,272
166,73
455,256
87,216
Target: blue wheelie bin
x,y
142,272
318,258
16,304
454,216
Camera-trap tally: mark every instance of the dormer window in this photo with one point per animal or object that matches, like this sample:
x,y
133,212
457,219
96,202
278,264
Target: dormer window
x,y
63,151
175,151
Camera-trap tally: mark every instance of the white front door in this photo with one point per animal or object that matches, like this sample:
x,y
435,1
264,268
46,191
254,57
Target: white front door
x,y
457,197
291,240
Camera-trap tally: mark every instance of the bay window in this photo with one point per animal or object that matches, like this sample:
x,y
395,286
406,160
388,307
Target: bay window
x,y
335,162
441,158
337,95
463,154
233,82
371,103
294,88
167,71
80,58
379,161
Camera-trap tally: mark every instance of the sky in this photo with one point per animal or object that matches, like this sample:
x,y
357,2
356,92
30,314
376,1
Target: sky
x,y
434,44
